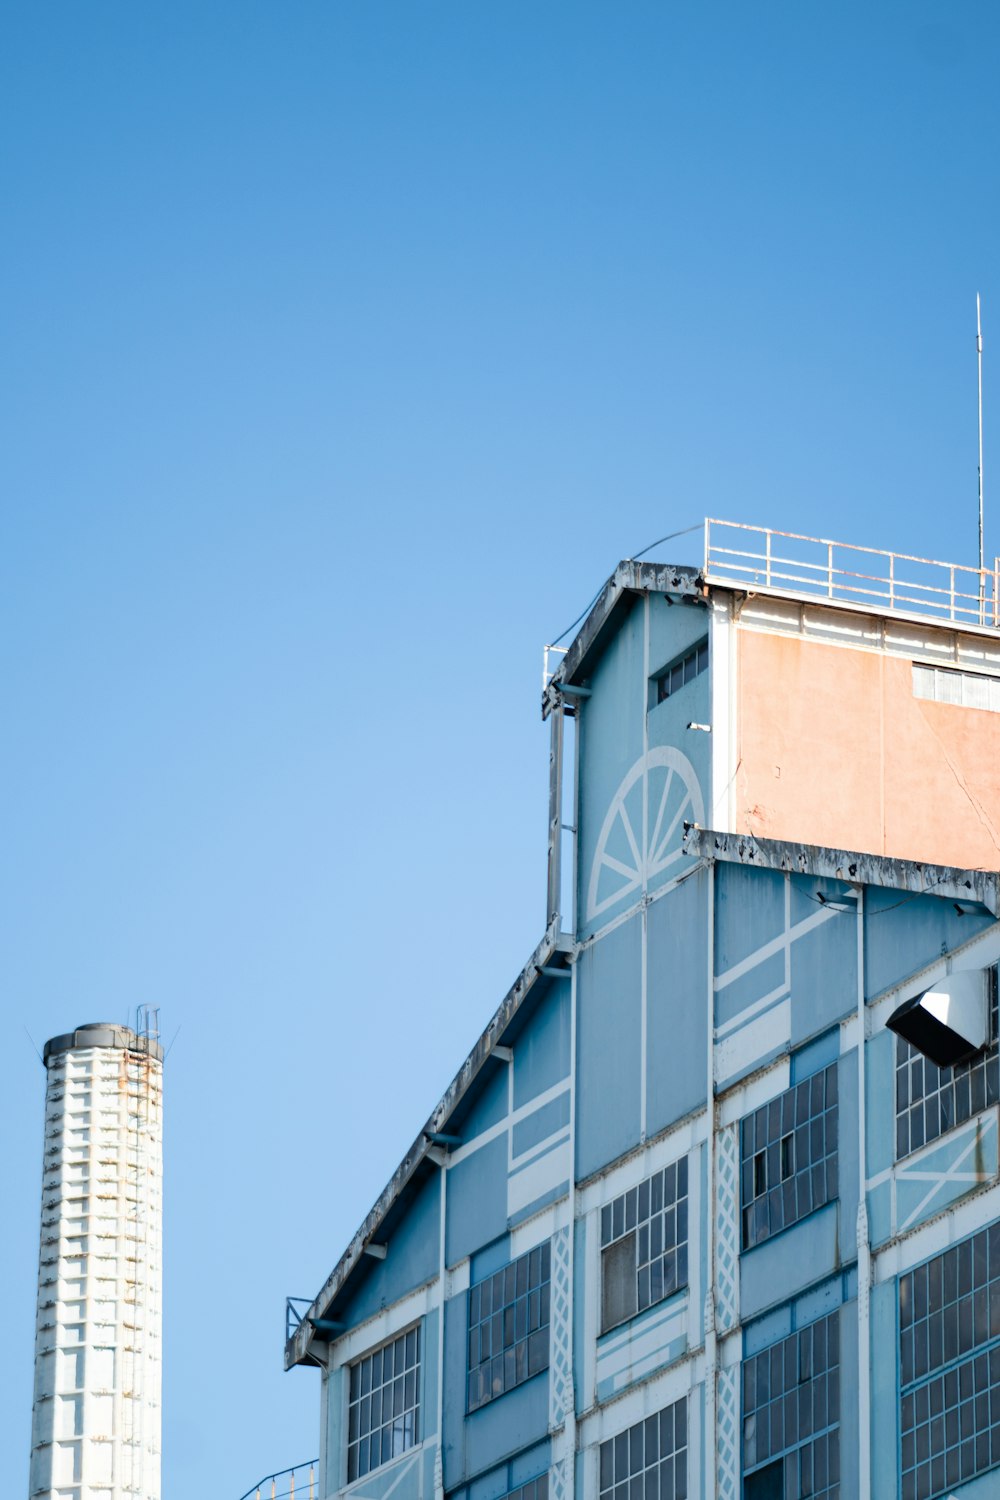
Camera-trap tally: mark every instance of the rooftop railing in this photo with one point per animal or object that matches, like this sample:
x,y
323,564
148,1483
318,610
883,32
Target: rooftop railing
x,y
786,562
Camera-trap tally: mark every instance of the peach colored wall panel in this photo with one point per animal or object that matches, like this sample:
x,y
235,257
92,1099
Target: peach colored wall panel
x,y
834,748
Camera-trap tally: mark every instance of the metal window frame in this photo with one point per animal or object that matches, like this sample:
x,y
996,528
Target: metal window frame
x,y
630,1441
763,1133
792,1343
696,655
507,1353
944,1105
976,1366
633,1219
354,1444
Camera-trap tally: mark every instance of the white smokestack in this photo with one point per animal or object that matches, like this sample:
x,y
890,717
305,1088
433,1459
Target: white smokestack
x,y
95,1432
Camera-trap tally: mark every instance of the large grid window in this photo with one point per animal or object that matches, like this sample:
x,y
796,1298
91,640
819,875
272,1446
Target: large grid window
x,y
644,1245
789,1157
384,1408
930,1100
649,1459
509,1326
949,1363
791,1416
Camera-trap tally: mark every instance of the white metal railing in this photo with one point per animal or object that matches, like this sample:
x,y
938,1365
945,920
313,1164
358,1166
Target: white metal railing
x,y
547,670
784,561
282,1485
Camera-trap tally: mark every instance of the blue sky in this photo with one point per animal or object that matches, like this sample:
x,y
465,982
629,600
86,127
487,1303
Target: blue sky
x,y
344,350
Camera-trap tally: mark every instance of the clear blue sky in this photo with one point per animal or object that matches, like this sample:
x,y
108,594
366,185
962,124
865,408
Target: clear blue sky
x,y
344,350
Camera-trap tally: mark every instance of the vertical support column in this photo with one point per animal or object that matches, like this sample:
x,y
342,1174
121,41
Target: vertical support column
x,y
442,1297
562,1381
554,901
864,1248
711,1344
723,639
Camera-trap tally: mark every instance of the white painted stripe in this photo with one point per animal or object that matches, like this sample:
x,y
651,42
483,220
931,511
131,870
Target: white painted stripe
x,y
766,1034
776,945
747,1014
502,1126
542,1148
538,1178
627,1339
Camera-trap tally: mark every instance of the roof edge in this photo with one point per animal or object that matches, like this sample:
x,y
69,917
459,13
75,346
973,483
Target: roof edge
x,y
628,578
981,886
298,1346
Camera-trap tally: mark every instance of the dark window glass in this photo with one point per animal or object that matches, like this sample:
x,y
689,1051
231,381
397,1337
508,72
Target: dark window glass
x,y
791,1416
789,1157
535,1489
949,1361
384,1405
673,678
649,1459
932,1100
508,1327
644,1245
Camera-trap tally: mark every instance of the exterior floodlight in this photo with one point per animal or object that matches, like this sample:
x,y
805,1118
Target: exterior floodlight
x,y
950,1022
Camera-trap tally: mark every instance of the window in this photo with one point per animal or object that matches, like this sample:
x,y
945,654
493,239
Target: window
x,y
535,1489
789,1157
966,689
949,1367
509,1326
673,678
932,1100
791,1416
648,1459
644,1245
384,1408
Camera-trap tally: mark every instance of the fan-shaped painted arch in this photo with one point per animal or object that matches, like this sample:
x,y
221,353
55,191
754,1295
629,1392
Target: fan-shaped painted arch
x,y
642,830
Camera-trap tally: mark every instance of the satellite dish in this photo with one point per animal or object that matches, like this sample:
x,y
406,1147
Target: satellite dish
x,y
949,1023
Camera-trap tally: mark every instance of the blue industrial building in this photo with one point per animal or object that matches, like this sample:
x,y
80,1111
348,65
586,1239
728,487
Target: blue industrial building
x,y
692,1220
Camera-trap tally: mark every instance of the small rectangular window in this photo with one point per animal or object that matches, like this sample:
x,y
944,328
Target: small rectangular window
x,y
509,1326
670,681
787,1157
644,1245
963,689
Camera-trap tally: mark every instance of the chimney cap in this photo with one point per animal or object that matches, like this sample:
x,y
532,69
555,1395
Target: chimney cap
x,y
101,1034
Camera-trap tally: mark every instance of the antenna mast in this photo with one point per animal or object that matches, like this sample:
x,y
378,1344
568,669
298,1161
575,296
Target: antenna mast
x,y
979,356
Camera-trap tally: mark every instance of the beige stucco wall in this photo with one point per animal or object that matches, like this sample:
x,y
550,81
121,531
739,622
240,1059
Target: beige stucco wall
x,y
833,748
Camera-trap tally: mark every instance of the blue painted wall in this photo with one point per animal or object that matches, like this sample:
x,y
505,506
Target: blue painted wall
x,y
609,1062
542,1050
411,1260
903,933
477,1200
677,1003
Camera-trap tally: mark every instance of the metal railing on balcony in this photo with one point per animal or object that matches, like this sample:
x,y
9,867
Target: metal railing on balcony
x,y
300,1481
787,562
